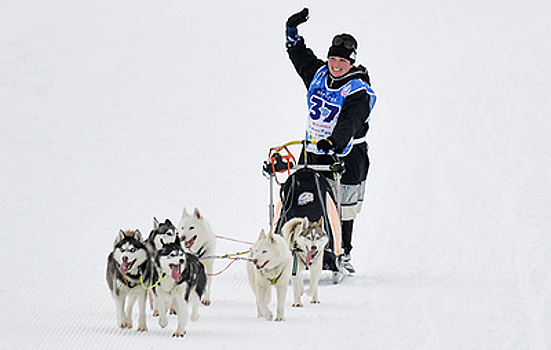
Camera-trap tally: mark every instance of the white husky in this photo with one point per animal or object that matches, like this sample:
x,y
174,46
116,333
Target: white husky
x,y
307,241
270,266
197,238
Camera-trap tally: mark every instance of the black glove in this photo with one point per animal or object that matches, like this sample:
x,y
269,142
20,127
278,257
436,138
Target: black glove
x,y
298,18
325,145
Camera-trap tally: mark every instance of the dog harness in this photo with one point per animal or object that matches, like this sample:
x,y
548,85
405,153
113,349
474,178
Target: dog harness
x,y
296,256
201,252
295,262
161,276
274,280
130,282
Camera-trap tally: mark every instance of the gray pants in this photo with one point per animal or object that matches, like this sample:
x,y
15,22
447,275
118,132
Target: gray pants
x,y
352,197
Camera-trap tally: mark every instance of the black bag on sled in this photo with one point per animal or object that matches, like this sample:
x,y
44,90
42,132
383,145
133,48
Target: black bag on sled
x,y
304,194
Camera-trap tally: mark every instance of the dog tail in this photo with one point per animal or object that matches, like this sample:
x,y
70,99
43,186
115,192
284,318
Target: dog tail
x,y
291,229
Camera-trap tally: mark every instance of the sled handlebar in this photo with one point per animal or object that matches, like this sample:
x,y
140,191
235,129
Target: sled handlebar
x,y
299,142
336,167
280,159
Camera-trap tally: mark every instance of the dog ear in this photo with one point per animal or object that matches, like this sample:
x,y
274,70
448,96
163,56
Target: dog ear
x,y
197,213
184,212
155,223
120,237
271,236
320,222
305,223
138,235
168,222
262,234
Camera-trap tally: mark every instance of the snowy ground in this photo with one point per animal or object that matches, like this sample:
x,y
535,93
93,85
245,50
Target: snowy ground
x,y
112,112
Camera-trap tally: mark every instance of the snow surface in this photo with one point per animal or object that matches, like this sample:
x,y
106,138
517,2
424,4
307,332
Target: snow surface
x,y
113,112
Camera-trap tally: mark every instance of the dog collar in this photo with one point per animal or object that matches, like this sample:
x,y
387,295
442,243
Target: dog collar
x,y
128,283
296,248
138,278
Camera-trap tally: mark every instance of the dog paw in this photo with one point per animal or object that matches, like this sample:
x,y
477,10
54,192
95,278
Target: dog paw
x,y
173,311
280,318
178,334
142,329
126,324
315,301
156,313
268,316
206,302
298,305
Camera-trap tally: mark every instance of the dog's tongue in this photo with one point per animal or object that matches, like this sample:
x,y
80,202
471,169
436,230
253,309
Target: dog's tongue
x,y
310,256
124,268
175,272
190,243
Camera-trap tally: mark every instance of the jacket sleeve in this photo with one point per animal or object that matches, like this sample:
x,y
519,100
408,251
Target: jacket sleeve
x,y
305,61
352,119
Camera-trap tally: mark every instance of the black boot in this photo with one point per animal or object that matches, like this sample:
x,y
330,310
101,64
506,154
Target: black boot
x,y
347,245
347,236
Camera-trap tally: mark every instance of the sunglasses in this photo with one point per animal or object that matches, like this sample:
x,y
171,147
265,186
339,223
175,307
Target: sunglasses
x,y
348,43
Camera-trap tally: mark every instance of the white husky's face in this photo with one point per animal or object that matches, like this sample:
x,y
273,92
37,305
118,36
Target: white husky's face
x,y
129,256
264,253
190,228
172,260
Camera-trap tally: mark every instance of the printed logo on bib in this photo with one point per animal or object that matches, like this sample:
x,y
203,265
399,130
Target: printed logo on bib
x,y
346,91
305,198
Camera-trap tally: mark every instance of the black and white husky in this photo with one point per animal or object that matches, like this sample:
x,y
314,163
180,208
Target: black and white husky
x,y
162,234
197,238
307,241
183,283
130,270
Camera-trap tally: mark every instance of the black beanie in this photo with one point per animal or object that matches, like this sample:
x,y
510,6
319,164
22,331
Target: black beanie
x,y
341,50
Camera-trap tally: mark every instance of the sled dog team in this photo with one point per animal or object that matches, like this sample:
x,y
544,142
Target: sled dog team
x,y
172,267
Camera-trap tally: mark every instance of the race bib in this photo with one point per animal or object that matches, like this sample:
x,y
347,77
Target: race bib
x,y
325,104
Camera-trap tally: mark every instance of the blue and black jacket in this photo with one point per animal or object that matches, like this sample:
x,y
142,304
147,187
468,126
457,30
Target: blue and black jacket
x,y
353,118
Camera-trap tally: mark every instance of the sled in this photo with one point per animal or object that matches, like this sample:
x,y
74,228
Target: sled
x,y
306,192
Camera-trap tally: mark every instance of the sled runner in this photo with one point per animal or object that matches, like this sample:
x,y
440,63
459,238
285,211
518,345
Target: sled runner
x,y
306,192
